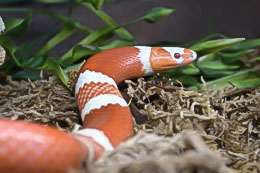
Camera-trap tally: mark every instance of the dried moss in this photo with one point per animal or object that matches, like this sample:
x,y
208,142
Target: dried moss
x,y
228,121
43,101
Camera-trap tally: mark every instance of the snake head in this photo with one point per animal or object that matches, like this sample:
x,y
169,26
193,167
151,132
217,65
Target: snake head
x,y
166,58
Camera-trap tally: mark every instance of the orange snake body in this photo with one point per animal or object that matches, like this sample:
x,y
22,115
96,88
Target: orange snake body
x,y
107,120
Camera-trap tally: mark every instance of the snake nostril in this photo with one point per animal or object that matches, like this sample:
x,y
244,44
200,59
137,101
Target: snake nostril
x,y
177,55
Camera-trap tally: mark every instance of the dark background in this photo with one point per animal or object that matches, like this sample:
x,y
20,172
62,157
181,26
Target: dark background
x,y
192,20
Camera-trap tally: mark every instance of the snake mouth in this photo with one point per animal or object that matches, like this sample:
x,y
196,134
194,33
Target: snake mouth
x,y
174,65
171,66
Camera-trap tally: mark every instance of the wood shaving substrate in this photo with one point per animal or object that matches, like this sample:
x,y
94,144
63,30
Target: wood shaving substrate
x,y
177,130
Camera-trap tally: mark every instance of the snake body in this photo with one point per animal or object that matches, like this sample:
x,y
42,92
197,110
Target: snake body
x,y
107,120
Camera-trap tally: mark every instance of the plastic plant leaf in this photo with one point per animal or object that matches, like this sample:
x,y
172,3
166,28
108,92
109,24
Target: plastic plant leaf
x,y
185,79
243,79
232,57
11,24
102,32
207,47
81,51
25,74
248,44
97,4
58,38
19,29
10,48
213,74
218,65
156,14
190,69
29,48
57,16
252,60
207,58
33,62
52,65
216,68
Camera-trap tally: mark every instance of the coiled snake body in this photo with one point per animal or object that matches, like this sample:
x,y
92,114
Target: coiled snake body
x,y
107,120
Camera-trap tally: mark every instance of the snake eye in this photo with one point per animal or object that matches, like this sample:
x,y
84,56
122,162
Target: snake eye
x,y
177,55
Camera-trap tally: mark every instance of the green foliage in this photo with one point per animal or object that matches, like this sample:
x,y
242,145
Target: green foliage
x,y
28,59
220,64
219,60
156,14
206,47
18,27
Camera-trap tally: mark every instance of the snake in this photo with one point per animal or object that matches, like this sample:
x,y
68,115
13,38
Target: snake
x,y
106,117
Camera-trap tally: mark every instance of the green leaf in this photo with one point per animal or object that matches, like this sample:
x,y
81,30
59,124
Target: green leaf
x,y
72,67
36,42
190,69
252,60
213,36
81,51
11,24
248,44
213,74
103,38
156,14
52,65
89,40
216,68
19,29
243,79
25,74
97,4
58,38
233,56
208,57
33,62
218,65
10,48
57,16
185,79
207,47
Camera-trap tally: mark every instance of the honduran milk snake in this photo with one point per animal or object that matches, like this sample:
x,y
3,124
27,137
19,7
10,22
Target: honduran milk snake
x,y
107,121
